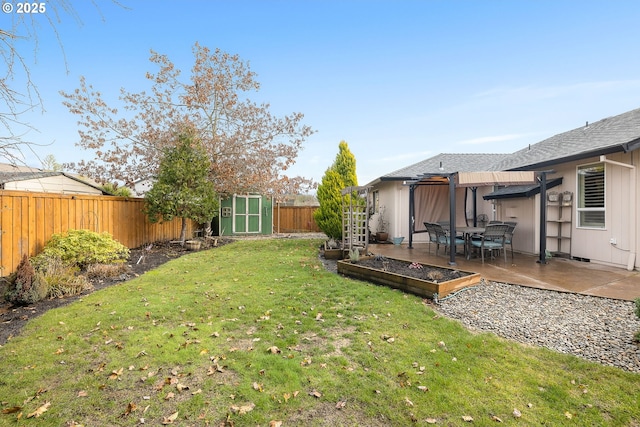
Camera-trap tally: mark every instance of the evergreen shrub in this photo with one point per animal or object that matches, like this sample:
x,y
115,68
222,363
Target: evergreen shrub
x,y
81,248
24,288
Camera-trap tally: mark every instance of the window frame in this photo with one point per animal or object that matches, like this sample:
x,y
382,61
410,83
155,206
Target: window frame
x,y
580,199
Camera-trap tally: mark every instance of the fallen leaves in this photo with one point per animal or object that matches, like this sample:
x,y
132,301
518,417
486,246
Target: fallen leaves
x,y
170,419
274,350
243,409
131,407
115,374
315,393
41,410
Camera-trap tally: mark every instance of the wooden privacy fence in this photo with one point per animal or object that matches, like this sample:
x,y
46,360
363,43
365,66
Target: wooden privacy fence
x,y
294,219
28,219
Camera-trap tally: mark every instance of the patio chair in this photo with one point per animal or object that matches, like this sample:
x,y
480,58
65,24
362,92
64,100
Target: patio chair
x,y
508,236
433,237
493,238
443,238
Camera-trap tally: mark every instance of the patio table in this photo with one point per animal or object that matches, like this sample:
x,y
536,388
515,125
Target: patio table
x,y
468,232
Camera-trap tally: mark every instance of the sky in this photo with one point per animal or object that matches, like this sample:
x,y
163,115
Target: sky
x,y
400,81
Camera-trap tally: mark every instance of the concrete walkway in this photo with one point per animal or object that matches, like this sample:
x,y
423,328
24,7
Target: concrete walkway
x,y
558,274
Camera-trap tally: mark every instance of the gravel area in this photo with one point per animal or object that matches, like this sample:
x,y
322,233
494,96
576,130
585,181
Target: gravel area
x,y
593,328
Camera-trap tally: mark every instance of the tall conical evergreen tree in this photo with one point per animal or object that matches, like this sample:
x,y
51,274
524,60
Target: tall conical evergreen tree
x,y
341,174
345,165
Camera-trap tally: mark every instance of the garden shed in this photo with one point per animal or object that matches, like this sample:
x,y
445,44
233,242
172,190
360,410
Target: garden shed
x,y
245,214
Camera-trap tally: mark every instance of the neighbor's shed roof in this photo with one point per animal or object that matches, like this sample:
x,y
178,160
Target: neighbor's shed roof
x,y
8,177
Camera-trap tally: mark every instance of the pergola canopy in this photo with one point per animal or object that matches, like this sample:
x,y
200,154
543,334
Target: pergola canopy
x,y
464,179
480,179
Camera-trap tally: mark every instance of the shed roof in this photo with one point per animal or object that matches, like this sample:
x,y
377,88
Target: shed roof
x,y
6,177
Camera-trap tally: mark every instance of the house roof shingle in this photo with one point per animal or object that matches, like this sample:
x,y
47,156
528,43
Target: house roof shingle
x,y
447,163
609,135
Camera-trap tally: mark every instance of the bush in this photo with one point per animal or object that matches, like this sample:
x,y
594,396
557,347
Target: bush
x,y
61,279
81,248
24,287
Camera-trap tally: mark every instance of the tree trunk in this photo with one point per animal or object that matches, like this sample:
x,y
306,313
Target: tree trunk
x,y
183,232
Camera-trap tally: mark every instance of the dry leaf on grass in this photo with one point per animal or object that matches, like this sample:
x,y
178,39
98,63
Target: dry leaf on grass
x,y
274,350
41,410
116,374
467,418
12,410
170,419
243,409
130,408
274,423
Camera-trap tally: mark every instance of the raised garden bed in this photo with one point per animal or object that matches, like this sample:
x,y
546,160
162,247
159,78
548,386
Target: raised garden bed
x,y
419,279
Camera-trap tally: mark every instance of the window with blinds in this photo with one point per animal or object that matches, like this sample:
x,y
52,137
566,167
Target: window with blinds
x,y
591,196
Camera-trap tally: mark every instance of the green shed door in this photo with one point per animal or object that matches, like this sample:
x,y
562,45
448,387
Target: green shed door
x,y
247,214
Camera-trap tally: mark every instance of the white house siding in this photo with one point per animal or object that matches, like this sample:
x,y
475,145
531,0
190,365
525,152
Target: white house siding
x,y
526,212
142,186
595,244
52,184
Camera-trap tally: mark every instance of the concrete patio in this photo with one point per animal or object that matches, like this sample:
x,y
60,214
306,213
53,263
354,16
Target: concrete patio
x,y
558,274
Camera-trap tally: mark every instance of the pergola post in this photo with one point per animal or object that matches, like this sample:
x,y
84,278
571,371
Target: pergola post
x,y
412,214
452,219
542,257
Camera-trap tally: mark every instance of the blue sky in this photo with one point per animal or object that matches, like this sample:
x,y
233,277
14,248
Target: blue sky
x,y
400,81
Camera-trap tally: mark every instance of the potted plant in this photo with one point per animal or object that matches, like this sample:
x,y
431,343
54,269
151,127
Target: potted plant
x,y
378,225
354,255
333,249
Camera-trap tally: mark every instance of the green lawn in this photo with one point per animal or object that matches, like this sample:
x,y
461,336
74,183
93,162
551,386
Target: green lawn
x,y
257,332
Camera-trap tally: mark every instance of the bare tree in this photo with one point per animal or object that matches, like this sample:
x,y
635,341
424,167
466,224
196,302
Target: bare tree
x,y
249,148
25,22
